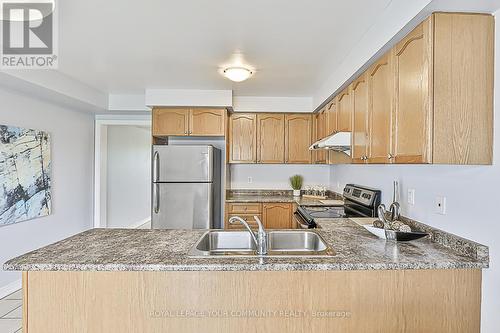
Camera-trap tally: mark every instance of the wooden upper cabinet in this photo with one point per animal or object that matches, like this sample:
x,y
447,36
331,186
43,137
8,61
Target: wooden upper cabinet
x,y
331,117
167,121
412,129
277,215
344,111
207,122
270,138
183,122
298,135
360,136
380,96
319,123
463,88
243,138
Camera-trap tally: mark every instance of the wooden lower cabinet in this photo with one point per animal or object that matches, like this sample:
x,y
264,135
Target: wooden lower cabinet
x,y
277,215
272,215
392,301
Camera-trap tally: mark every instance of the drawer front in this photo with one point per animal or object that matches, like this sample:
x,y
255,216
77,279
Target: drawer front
x,y
244,208
247,217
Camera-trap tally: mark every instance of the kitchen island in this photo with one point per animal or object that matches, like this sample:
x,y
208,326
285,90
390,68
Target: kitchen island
x,y
117,280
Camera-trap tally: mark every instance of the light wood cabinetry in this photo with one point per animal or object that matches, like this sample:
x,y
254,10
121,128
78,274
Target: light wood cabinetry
x,y
320,156
270,138
243,138
298,135
463,88
331,117
380,99
170,122
412,119
420,300
360,137
207,122
188,122
277,215
429,99
344,111
273,215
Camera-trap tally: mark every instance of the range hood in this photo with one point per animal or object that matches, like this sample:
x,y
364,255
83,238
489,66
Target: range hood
x,y
339,141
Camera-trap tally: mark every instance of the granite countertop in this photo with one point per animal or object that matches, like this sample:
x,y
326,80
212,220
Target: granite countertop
x,y
166,250
280,198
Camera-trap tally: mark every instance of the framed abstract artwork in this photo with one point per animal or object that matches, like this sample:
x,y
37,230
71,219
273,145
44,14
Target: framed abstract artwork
x,y
25,174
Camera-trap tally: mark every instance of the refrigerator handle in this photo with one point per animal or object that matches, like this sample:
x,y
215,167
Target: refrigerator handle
x,y
156,166
156,198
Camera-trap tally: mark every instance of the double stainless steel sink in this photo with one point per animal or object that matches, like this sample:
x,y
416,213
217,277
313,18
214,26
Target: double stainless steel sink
x,y
281,243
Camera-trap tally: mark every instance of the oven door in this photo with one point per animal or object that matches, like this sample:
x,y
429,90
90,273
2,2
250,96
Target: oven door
x,y
299,222
355,210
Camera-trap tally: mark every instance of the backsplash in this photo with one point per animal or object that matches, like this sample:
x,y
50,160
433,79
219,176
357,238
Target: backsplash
x,y
276,176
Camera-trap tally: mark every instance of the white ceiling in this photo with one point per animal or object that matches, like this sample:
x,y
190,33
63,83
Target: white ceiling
x,y
124,46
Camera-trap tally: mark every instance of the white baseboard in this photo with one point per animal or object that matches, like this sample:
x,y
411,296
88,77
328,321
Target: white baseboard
x,y
10,288
139,223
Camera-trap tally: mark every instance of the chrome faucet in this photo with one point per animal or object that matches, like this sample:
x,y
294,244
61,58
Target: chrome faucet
x,y
260,240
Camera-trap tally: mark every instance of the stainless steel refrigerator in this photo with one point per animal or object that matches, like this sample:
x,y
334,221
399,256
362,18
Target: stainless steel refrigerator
x,y
186,187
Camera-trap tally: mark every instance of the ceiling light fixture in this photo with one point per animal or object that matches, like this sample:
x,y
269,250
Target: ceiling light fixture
x,y
237,74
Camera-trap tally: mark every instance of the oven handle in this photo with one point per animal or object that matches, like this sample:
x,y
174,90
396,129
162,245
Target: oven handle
x,y
356,211
298,219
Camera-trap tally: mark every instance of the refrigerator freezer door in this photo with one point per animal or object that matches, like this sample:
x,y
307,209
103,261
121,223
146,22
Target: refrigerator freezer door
x,y
182,164
182,206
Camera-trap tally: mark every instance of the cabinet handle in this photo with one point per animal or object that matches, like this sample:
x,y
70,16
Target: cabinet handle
x,y
390,156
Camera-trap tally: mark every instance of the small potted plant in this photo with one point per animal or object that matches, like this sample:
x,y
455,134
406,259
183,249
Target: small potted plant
x,y
296,183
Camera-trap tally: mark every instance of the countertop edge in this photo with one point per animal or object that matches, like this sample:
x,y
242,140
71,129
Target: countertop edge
x,y
242,267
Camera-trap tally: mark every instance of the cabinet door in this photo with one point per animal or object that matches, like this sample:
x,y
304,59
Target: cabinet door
x,y
320,156
270,138
360,114
242,138
344,111
412,130
170,122
207,122
331,117
277,215
298,133
380,93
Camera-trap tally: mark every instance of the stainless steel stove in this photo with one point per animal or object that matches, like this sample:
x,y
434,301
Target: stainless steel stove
x,y
359,201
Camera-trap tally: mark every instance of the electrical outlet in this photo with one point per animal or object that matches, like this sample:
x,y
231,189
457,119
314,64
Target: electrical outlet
x,y
411,197
440,205
250,180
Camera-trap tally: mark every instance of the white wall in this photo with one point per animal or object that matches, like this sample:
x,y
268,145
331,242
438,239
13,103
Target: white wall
x,y
72,165
128,180
472,201
272,104
275,176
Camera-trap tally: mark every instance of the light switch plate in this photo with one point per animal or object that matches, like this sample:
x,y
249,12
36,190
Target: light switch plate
x,y
440,205
411,197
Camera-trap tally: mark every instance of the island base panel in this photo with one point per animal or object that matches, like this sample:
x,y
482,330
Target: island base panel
x,y
263,301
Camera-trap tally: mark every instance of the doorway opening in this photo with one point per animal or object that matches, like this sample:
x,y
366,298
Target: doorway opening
x,y
122,197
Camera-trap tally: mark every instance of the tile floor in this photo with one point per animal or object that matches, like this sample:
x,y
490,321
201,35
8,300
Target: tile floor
x,y
11,312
